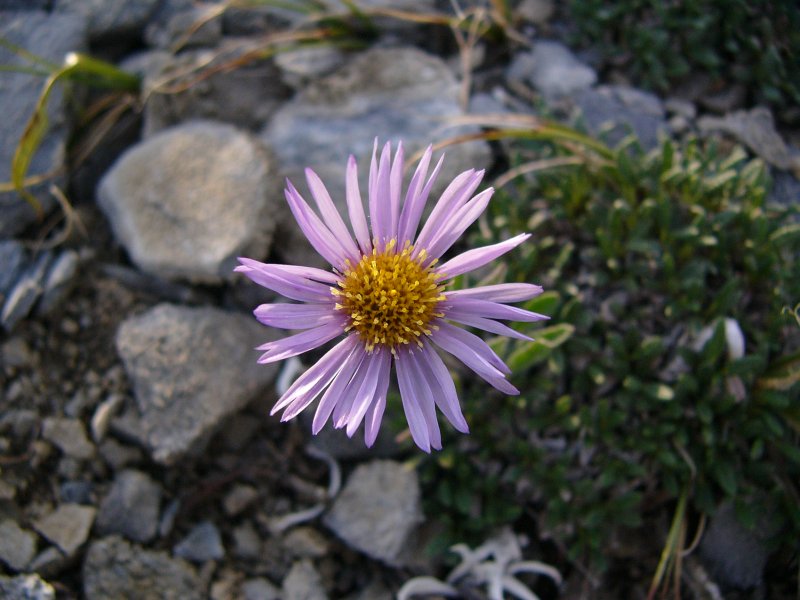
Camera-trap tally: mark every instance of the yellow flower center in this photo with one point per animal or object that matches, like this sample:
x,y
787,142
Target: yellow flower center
x,y
390,297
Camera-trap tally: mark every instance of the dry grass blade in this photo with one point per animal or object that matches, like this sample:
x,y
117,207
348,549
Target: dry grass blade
x,y
537,165
211,13
75,67
177,83
72,223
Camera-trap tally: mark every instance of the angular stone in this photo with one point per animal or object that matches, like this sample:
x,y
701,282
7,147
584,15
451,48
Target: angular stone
x,y
69,435
616,111
114,569
13,258
246,541
756,130
110,17
17,545
203,543
377,510
394,94
186,202
303,583
50,36
59,281
552,69
190,368
26,587
259,589
131,507
306,542
68,526
735,555
238,498
27,290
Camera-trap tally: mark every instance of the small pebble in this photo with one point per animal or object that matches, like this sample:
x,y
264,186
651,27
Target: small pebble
x,y
68,526
239,498
69,435
203,543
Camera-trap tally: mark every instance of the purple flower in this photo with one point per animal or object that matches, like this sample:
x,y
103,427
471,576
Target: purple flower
x,y
386,294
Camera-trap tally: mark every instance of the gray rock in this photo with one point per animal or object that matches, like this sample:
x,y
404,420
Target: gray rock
x,y
131,507
259,589
168,517
181,25
392,93
190,369
50,37
552,69
378,510
114,569
193,85
374,591
69,435
110,18
17,545
59,281
303,583
735,556
535,11
304,64
13,259
50,562
306,542
67,526
186,202
785,188
75,492
26,587
238,498
203,543
616,111
25,293
756,130
246,541
16,353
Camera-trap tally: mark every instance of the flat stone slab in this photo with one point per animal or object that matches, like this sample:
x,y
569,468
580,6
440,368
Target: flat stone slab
x,y
377,510
396,94
190,368
189,200
115,569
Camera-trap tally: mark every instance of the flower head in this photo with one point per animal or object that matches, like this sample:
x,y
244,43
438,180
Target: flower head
x,y
387,294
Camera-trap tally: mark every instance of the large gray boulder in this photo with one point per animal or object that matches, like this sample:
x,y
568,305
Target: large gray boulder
x,y
186,202
190,368
394,94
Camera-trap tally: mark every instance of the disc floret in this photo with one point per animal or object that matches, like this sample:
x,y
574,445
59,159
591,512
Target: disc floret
x,y
390,297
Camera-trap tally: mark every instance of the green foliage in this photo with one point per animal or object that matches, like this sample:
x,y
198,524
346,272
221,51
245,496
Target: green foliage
x,y
633,390
754,42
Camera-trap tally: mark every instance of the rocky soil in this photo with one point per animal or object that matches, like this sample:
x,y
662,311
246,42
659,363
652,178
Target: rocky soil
x,y
137,459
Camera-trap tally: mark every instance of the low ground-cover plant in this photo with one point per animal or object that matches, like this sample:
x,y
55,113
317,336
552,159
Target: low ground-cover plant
x,y
672,363
755,43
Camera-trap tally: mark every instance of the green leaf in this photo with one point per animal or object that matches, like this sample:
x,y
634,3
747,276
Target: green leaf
x,y
725,475
547,340
545,303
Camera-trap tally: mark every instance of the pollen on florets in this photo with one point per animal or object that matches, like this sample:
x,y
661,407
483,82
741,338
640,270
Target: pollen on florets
x,y
390,296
